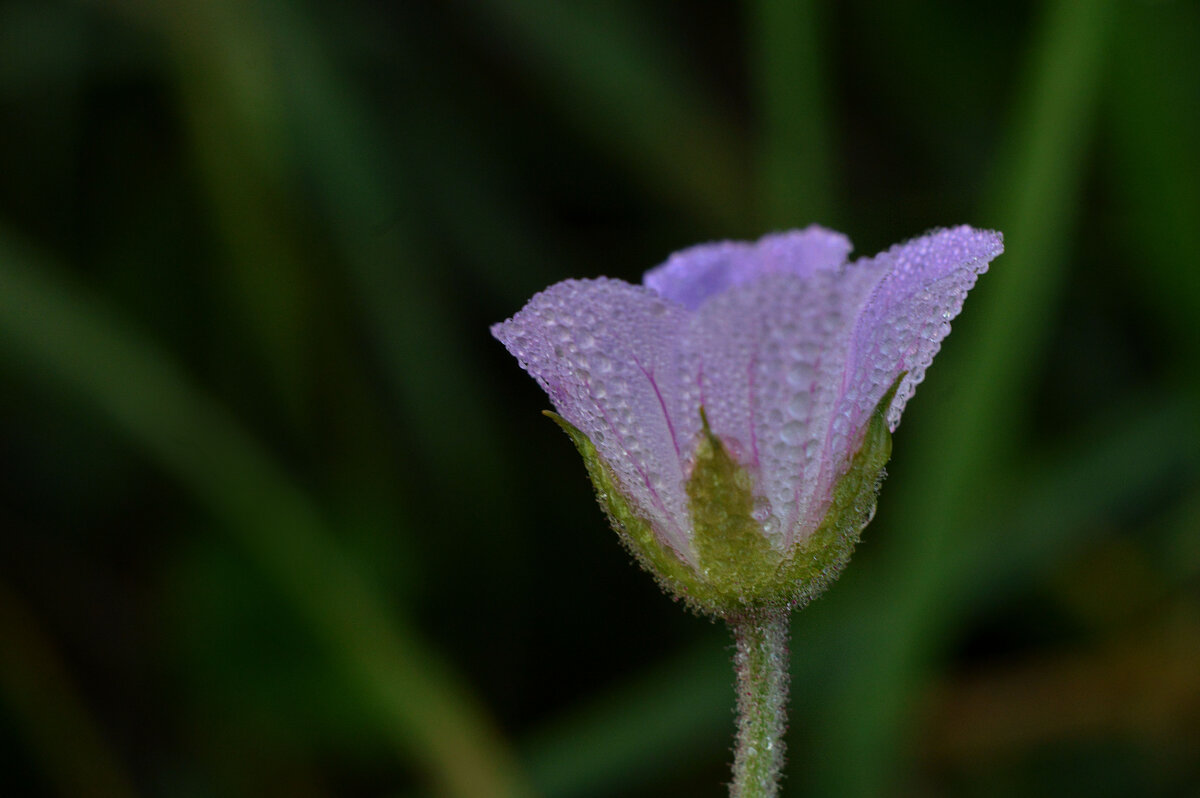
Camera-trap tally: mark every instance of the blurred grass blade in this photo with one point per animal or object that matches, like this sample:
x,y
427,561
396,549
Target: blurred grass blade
x,y
1143,684
609,72
431,717
234,127
376,213
1154,116
336,145
953,449
794,149
622,739
455,148
45,703
1183,546
1149,442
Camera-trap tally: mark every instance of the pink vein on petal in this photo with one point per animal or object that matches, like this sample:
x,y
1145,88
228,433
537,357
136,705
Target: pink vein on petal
x,y
661,403
638,465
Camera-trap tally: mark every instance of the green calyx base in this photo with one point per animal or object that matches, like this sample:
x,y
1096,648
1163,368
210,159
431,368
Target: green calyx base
x,y
740,573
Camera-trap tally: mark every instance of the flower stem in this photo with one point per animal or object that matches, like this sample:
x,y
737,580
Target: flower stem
x,y
761,662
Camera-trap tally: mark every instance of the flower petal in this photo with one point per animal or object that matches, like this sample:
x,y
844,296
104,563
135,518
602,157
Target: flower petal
x,y
607,354
902,327
768,357
692,276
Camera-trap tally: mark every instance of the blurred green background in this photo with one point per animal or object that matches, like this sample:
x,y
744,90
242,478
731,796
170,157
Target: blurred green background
x,y
278,517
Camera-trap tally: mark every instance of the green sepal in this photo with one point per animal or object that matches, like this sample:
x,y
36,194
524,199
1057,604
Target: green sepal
x,y
736,559
740,572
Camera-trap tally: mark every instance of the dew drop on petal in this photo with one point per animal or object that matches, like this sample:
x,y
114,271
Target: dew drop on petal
x,y
800,405
800,374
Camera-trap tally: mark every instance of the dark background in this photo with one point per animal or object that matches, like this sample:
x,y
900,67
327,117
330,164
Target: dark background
x,y
280,518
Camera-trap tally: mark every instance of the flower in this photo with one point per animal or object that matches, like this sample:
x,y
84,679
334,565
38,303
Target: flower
x,y
735,411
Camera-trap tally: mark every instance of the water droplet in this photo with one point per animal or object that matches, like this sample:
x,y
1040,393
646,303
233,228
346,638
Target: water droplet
x,y
800,375
800,405
793,432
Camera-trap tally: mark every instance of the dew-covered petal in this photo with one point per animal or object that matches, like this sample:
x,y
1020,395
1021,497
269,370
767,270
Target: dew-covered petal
x,y
692,276
903,325
607,354
768,357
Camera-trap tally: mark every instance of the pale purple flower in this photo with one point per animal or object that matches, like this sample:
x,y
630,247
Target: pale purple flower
x,y
786,346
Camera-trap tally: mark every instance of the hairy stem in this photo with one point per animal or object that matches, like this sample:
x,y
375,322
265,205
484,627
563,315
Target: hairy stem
x,y
762,681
